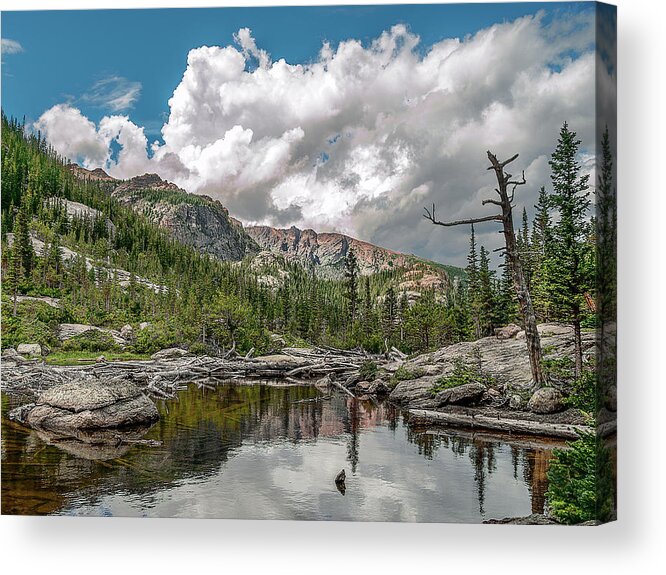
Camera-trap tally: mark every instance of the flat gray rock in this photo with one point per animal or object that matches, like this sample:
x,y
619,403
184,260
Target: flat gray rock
x,y
90,405
86,395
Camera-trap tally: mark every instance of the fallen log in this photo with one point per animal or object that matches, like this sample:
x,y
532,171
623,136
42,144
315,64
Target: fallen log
x,y
563,430
342,388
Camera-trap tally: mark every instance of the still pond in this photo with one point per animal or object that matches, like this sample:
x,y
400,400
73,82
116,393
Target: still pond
x,y
266,451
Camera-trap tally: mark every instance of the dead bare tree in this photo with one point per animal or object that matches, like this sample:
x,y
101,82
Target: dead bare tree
x,y
505,203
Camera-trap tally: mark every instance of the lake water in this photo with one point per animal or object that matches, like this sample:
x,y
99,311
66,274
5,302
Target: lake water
x,y
263,451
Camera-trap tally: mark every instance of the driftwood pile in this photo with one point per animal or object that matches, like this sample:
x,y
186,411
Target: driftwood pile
x,y
163,378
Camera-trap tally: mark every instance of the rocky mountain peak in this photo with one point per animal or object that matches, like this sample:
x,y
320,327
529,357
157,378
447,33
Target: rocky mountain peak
x,y
83,173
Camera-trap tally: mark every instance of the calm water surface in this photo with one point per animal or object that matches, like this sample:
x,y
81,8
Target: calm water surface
x,y
272,452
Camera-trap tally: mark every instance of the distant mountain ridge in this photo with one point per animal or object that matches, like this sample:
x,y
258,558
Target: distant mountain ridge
x,y
205,224
325,251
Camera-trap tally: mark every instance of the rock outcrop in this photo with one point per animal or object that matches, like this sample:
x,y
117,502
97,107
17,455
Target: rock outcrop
x,y
504,361
86,404
98,174
198,221
465,394
325,251
69,330
29,349
168,353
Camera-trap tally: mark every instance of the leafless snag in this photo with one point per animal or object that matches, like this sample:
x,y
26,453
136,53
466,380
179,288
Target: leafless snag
x,y
505,203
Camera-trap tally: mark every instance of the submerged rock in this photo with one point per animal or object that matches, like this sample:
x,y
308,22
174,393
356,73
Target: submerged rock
x,y
90,405
534,519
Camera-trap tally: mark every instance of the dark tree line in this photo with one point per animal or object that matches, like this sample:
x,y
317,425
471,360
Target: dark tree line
x,y
552,265
198,300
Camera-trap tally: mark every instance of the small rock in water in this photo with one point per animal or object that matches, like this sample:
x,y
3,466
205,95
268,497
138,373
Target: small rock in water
x,y
340,482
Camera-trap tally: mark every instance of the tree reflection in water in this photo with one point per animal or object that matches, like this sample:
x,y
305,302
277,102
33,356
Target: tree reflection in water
x,y
204,432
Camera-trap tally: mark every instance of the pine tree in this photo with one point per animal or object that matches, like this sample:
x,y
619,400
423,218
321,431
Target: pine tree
x,y
389,313
525,249
24,248
473,295
351,273
486,300
540,241
506,308
12,278
566,267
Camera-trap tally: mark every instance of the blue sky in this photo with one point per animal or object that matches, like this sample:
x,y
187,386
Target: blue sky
x,y
65,53
356,137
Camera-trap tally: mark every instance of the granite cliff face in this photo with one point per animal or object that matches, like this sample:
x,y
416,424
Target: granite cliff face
x,y
325,251
198,221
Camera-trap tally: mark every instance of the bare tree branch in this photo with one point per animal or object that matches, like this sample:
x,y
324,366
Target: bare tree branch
x,y
430,215
484,202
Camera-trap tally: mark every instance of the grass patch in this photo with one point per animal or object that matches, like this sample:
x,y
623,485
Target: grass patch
x,y
83,357
368,371
404,373
462,374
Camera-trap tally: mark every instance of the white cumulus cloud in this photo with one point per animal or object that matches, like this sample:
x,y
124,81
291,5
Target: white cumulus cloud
x,y
364,136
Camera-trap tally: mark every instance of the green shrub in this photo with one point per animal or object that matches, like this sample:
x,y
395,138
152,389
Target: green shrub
x,y
462,373
199,348
154,337
91,340
35,322
559,369
583,394
368,370
580,483
404,373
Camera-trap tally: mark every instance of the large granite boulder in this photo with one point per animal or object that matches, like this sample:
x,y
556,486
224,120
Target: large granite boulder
x,y
169,353
9,354
33,349
127,332
465,394
90,405
546,400
69,330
